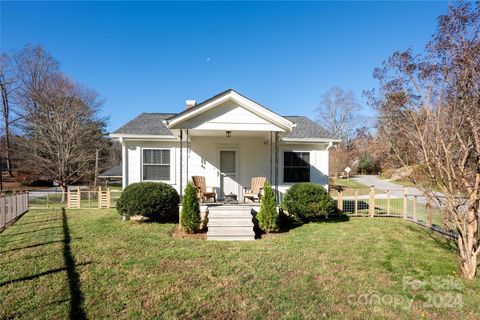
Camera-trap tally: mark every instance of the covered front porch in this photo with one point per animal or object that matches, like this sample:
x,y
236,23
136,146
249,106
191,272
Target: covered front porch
x,y
228,160
228,139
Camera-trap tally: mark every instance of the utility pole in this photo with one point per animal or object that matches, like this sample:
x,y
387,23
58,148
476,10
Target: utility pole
x,y
96,168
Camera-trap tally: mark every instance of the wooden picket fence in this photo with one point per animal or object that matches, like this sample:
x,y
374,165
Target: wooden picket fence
x,y
397,203
391,203
12,206
78,199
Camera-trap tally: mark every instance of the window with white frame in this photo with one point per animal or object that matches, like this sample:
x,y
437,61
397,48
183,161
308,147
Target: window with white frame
x,y
156,164
296,166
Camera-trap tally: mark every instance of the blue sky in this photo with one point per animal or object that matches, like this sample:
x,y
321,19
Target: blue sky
x,y
151,56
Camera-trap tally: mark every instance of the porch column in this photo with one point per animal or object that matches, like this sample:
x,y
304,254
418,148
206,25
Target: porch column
x,y
276,169
181,164
187,157
270,179
124,164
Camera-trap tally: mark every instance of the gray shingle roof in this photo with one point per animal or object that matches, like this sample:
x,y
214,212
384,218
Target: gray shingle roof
x,y
152,124
147,124
307,128
115,171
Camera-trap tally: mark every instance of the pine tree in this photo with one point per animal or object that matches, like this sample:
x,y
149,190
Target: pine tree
x,y
190,210
268,218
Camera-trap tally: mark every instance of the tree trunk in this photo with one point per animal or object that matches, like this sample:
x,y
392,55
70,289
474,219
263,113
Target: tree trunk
x,y
6,120
469,267
468,244
64,193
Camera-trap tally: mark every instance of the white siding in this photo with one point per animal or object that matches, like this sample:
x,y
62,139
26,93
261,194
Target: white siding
x,y
252,156
134,161
253,159
230,116
318,163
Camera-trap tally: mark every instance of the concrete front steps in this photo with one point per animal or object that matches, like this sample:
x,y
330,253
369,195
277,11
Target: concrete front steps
x,y
230,223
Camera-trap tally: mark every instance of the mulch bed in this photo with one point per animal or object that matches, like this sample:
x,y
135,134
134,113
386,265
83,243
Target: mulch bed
x,y
178,233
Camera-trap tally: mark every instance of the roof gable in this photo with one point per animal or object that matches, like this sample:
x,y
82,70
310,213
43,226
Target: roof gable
x,y
257,112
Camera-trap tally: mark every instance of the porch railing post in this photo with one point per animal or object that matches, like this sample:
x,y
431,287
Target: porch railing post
x,y
186,157
271,157
181,164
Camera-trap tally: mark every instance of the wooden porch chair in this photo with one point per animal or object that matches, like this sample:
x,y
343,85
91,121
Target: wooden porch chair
x,y
254,192
202,193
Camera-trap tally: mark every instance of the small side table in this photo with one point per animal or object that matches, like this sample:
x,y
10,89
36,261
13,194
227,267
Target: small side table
x,y
231,198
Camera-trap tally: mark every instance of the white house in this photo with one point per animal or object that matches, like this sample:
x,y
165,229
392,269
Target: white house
x,y
228,139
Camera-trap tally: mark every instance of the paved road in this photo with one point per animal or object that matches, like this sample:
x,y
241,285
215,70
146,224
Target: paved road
x,y
38,193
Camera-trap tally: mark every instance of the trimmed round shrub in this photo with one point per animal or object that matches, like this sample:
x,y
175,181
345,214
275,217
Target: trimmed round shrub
x,y
153,200
308,201
190,210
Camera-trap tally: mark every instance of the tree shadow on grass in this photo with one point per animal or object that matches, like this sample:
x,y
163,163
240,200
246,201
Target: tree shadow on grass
x,y
36,230
32,246
38,275
37,222
76,296
22,239
442,241
76,301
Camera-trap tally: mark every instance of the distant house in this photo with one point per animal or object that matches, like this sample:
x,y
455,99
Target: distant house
x,y
112,174
228,139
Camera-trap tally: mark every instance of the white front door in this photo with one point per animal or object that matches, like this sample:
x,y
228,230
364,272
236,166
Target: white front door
x,y
228,172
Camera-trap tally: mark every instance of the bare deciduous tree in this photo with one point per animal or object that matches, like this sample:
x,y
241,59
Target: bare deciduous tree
x,y
62,131
337,112
60,128
338,160
431,104
8,85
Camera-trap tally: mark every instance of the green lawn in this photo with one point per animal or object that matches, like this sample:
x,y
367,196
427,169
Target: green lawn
x,y
349,183
406,182
88,262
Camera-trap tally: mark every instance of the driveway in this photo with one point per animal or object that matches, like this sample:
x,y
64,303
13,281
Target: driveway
x,y
384,185
396,190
